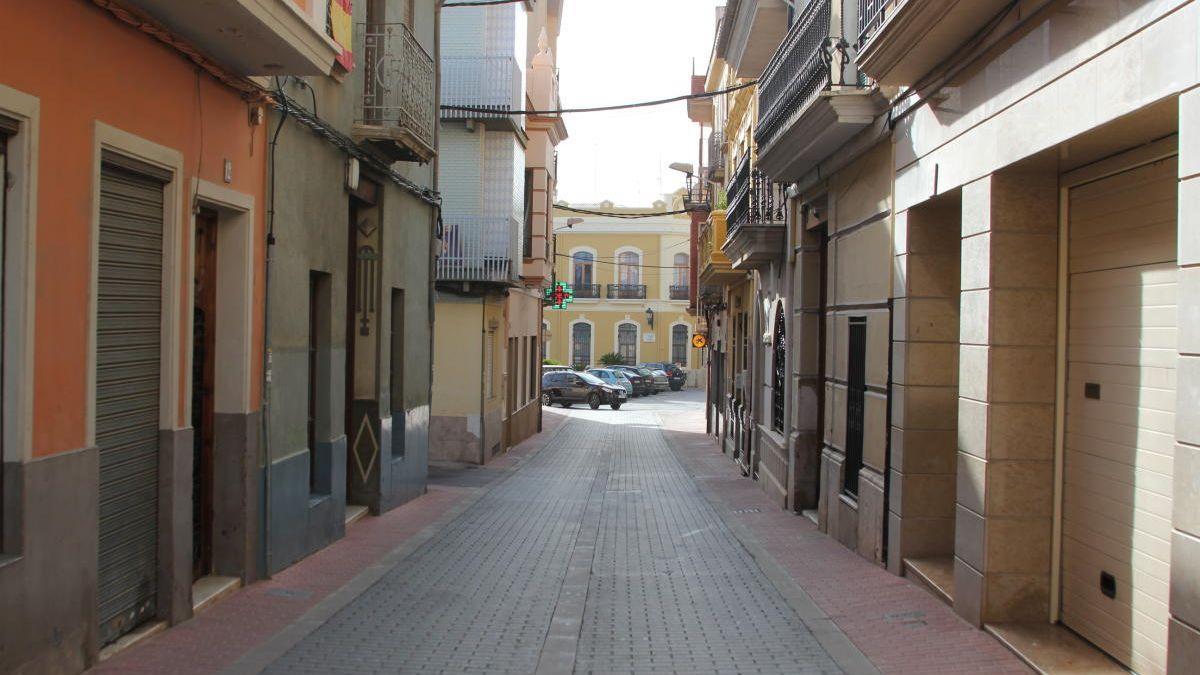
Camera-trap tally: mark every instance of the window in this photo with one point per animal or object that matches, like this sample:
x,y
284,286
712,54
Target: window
x,y
399,413
629,268
318,352
489,371
581,345
583,275
627,343
679,344
779,370
681,270
856,390
527,242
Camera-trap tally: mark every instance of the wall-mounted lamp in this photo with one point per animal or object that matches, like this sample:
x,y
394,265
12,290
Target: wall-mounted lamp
x,y
650,317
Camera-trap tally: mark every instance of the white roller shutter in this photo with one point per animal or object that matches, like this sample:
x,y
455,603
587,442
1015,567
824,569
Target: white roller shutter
x,y
1121,413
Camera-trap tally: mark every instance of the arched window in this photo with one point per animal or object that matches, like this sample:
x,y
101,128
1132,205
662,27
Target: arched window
x,y
581,345
629,271
584,269
679,345
779,370
681,270
627,343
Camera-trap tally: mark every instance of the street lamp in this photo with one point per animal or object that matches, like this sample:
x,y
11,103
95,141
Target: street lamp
x,y
650,318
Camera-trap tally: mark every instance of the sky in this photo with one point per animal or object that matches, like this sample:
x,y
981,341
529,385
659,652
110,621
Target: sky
x,y
622,51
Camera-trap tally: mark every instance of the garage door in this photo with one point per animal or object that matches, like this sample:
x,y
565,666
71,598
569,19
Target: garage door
x,y
128,320
1121,413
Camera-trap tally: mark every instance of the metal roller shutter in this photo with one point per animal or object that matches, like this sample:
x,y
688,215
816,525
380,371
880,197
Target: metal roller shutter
x,y
1121,413
128,342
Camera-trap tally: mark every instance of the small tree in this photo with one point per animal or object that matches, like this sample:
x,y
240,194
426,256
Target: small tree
x,y
612,359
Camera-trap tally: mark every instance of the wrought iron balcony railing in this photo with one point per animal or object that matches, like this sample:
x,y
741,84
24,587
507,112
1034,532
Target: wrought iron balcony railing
x,y
587,291
753,200
798,72
492,83
680,292
398,82
626,292
478,249
716,155
871,15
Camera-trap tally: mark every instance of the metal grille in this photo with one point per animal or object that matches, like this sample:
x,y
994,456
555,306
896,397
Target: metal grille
x,y
587,291
779,371
581,345
679,345
478,249
796,74
492,83
855,400
398,81
716,155
680,292
626,292
627,343
128,344
753,199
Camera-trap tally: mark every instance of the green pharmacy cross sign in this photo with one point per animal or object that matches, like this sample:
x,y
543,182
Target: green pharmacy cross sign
x,y
559,296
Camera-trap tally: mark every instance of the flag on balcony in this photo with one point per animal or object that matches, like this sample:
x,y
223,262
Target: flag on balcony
x,y
341,29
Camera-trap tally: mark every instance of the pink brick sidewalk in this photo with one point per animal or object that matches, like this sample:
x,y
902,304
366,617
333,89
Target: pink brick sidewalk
x,y
217,637
900,627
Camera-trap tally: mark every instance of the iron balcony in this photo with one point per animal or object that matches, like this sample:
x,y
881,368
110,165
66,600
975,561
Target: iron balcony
x,y
626,292
755,219
479,249
396,112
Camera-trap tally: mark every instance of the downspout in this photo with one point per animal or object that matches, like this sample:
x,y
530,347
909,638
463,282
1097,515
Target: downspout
x,y
789,386
482,378
265,394
436,225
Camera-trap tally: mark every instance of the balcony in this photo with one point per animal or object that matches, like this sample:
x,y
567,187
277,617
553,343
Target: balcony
x,y
250,37
700,110
490,83
716,156
396,112
626,292
587,291
748,32
810,100
479,249
902,40
755,219
714,267
680,292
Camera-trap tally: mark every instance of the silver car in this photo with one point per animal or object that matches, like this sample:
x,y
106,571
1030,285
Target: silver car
x,y
613,377
661,381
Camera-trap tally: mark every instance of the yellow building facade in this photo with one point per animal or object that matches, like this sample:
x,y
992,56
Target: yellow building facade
x,y
631,284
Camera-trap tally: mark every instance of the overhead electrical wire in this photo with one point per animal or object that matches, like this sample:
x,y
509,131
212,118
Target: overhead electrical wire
x,y
609,262
629,216
481,3
605,108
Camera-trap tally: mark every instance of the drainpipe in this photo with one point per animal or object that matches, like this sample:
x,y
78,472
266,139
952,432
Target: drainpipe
x,y
482,373
793,299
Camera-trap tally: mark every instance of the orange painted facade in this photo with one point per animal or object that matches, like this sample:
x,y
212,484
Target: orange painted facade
x,y
85,67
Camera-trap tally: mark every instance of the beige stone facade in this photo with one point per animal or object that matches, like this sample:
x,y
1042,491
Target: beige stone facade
x,y
990,255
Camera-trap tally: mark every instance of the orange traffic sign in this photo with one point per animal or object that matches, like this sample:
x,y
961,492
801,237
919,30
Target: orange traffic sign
x,y
699,341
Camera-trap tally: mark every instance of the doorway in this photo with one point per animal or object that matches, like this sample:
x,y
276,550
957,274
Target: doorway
x,y
204,340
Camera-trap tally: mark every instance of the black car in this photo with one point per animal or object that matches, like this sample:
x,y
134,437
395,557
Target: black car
x,y
641,385
567,389
675,375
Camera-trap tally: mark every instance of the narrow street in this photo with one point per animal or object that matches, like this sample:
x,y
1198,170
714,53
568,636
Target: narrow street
x,y
600,554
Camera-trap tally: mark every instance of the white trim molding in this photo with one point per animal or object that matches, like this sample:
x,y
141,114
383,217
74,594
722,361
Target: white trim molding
x,y
106,137
20,269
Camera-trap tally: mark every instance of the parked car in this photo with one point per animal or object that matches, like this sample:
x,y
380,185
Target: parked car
x,y
642,385
675,375
568,388
660,380
613,377
555,369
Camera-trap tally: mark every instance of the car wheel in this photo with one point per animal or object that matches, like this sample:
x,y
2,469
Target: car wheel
x,y
593,400
616,405
565,404
546,401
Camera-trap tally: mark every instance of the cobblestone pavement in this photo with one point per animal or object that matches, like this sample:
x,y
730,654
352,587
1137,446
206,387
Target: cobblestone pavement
x,y
599,554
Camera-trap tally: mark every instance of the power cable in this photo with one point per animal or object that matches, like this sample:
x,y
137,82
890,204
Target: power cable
x,y
623,106
609,262
628,216
481,3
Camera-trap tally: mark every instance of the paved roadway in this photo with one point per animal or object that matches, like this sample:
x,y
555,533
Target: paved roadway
x,y
598,555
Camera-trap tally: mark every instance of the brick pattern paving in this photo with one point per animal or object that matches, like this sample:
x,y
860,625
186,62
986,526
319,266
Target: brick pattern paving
x,y
899,626
668,588
217,637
